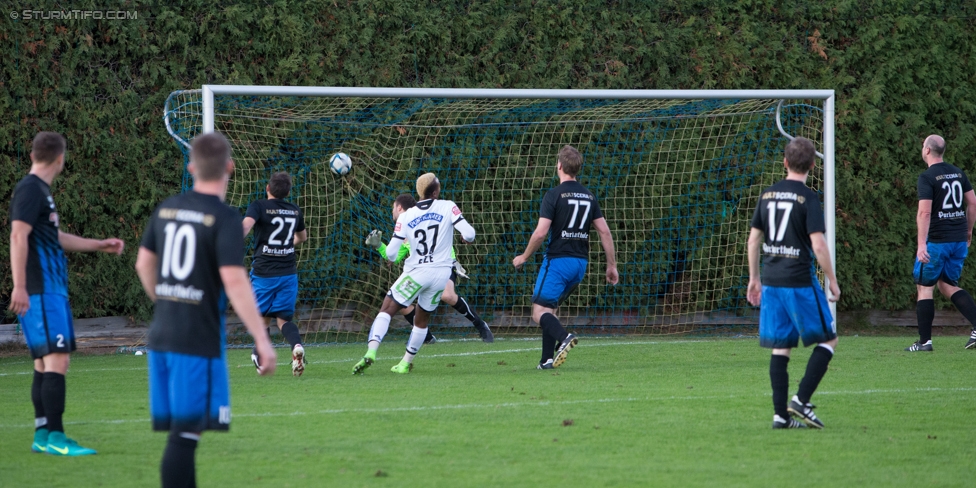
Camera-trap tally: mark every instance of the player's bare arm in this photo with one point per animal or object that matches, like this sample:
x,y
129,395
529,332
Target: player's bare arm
x,y
754,290
19,298
923,219
146,266
247,224
820,249
238,289
73,243
538,235
970,215
606,240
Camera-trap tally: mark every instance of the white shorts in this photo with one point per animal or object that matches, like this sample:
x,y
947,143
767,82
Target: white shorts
x,y
422,284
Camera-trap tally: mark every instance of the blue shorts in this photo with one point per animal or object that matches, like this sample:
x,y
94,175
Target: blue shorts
x,y
47,325
945,263
787,314
558,278
188,393
276,296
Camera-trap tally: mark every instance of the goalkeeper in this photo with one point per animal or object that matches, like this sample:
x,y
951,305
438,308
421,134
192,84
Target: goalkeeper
x,y
403,203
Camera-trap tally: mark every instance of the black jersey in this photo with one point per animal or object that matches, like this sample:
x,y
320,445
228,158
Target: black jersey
x,y
572,209
47,267
193,235
787,213
275,224
945,185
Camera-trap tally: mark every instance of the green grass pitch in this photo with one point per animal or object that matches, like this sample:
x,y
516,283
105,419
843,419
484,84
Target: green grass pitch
x,y
620,412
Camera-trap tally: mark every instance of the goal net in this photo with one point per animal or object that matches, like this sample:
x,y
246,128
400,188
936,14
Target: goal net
x,y
677,174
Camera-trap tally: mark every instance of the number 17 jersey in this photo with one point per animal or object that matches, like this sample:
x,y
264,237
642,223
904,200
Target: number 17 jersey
x,y
787,213
192,235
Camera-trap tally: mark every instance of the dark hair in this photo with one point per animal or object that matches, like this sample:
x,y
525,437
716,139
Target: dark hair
x,y
280,184
406,201
571,160
799,155
209,153
47,146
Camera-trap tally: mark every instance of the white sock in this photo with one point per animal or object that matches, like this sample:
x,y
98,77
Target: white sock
x,y
417,336
381,324
40,422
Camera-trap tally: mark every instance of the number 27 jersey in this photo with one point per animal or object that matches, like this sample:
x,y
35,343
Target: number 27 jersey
x,y
787,213
429,228
192,235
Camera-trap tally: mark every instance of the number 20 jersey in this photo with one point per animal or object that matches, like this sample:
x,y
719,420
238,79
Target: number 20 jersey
x,y
787,213
946,186
192,235
429,229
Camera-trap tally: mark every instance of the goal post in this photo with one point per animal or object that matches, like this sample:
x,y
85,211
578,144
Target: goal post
x,y
677,173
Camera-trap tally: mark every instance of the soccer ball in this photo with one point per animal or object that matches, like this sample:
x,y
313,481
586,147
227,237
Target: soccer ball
x,y
340,163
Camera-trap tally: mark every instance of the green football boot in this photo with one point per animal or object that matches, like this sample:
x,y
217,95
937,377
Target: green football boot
x,y
40,441
402,367
59,445
364,363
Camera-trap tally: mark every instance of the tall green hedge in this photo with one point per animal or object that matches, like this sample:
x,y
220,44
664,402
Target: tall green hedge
x,y
901,69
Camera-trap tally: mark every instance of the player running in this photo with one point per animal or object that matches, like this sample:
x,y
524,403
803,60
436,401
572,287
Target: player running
x,y
943,240
40,293
278,227
190,263
792,303
568,210
428,228
405,202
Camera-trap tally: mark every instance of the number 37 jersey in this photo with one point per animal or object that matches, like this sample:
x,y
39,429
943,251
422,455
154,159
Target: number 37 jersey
x,y
192,235
429,228
787,213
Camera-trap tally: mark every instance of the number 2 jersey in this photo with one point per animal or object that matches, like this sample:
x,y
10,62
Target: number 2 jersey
x,y
275,224
946,186
787,213
571,208
192,235
429,230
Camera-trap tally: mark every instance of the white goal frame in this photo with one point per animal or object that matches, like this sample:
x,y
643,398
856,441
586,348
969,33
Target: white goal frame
x,y
828,96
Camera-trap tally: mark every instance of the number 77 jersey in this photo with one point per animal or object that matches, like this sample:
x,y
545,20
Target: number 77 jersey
x,y
429,228
787,213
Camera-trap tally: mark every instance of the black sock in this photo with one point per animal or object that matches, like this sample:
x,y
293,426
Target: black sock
x,y
467,310
816,368
779,378
178,469
551,325
925,311
52,394
548,347
290,331
964,302
410,316
40,421
429,337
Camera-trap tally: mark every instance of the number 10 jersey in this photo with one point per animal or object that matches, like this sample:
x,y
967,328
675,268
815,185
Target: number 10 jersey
x,y
192,235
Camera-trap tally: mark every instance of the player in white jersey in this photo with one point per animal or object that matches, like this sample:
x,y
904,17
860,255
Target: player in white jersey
x,y
429,229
